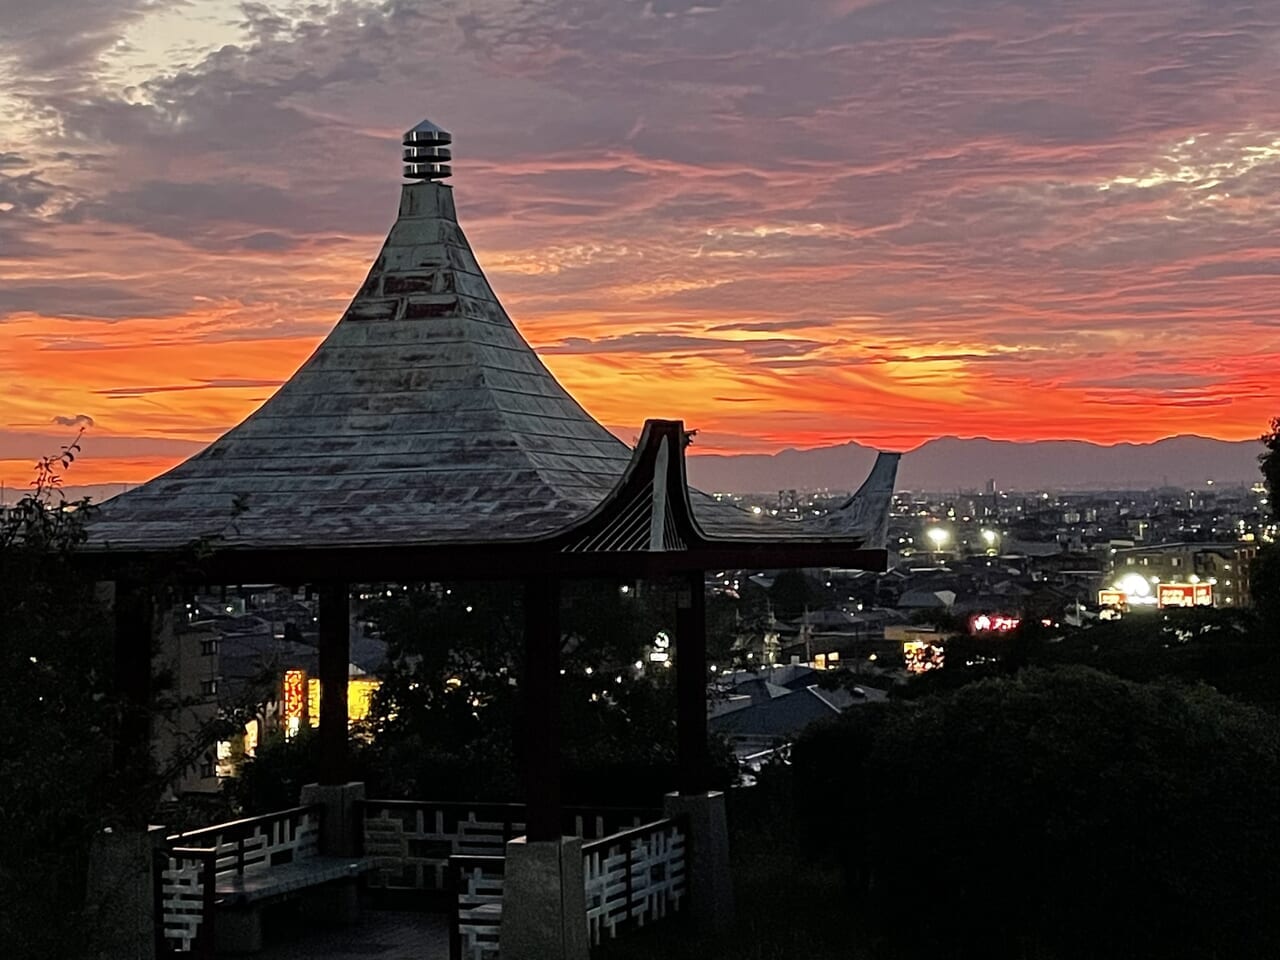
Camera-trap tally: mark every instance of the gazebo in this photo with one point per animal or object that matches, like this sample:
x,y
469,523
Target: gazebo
x,y
422,440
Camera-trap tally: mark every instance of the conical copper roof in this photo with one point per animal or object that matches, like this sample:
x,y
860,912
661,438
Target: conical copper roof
x,y
424,417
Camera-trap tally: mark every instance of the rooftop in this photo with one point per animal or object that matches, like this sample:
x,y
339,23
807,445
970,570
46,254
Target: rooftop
x,y
425,418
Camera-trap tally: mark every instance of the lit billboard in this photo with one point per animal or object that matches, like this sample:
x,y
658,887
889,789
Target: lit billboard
x,y
1112,598
1184,595
921,657
294,695
993,623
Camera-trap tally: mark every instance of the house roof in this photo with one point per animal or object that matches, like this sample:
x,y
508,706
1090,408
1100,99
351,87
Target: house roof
x,y
781,716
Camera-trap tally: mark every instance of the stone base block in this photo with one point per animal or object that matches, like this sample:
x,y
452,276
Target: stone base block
x,y
341,830
120,892
544,906
707,873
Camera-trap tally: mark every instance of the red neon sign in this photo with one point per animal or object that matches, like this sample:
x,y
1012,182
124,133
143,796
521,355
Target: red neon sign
x,y
295,694
988,623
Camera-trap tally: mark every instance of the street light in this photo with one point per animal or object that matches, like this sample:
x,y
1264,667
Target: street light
x,y
989,537
937,536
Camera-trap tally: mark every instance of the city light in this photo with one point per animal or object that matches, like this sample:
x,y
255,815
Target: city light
x,y
1134,585
937,536
989,623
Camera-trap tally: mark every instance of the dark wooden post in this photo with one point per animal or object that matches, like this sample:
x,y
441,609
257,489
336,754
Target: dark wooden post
x,y
541,694
335,657
691,685
134,610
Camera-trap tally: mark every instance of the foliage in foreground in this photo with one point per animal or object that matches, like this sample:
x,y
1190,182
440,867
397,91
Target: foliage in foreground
x,y
1061,813
55,721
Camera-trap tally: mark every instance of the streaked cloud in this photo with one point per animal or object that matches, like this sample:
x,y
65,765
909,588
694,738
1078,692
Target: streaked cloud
x,y
881,220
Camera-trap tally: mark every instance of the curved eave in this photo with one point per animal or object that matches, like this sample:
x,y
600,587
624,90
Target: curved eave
x,y
651,511
646,527
461,562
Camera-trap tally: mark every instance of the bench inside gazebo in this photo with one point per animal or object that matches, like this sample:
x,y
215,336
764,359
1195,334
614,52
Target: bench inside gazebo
x,y
424,440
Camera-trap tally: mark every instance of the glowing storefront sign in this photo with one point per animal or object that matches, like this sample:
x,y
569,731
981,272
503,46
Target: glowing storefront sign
x,y
921,657
360,697
295,682
313,701
294,701
360,693
993,623
1112,598
1184,595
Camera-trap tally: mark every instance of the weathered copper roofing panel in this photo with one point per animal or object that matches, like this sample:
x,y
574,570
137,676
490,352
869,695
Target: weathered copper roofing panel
x,y
424,417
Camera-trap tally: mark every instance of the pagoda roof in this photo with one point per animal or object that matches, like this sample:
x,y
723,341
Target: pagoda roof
x,y
423,416
425,420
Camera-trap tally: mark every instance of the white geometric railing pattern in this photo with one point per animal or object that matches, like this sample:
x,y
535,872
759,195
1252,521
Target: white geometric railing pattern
x,y
410,841
184,901
630,879
633,878
476,914
197,858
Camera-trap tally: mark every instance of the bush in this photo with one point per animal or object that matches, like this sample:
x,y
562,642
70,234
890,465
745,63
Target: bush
x,y
1057,813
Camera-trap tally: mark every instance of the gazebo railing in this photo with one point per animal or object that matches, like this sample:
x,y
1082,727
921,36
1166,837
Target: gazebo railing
x,y
634,878
192,862
475,914
186,895
631,879
411,841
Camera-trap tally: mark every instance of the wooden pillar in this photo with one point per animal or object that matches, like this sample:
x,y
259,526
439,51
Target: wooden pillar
x,y
335,657
691,685
134,626
540,690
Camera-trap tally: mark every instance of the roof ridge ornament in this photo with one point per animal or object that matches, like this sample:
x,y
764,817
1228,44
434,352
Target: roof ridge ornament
x,y
426,152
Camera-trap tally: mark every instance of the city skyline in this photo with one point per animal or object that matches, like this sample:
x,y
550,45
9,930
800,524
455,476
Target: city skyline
x,y
880,222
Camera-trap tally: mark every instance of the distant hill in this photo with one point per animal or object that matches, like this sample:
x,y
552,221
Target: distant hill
x,y
952,463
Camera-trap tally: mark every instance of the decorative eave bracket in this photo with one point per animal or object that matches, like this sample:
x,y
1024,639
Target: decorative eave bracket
x,y
650,510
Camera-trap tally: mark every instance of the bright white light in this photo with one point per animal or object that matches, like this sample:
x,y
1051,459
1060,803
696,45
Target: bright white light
x,y
1134,585
989,537
938,536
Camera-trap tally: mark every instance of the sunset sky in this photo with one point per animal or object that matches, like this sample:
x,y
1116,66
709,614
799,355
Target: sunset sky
x,y
789,224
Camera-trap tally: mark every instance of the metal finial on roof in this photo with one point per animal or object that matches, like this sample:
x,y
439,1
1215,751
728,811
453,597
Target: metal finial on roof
x,y
426,152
